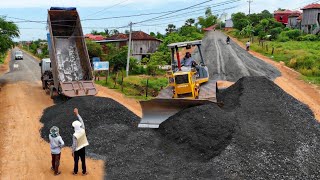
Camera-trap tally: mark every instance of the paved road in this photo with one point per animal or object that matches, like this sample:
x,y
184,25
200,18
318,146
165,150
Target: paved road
x,y
231,62
22,70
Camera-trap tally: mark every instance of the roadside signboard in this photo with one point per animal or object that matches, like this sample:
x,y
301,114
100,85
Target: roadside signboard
x,y
101,66
95,59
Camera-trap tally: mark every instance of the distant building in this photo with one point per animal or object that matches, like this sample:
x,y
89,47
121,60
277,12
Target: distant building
x,y
94,37
293,21
311,19
142,43
283,16
229,24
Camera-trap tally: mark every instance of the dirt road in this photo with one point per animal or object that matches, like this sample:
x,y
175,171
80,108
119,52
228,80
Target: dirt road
x,y
23,153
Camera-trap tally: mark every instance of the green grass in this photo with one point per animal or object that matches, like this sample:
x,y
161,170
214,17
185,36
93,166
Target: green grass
x,y
135,86
303,56
313,80
3,57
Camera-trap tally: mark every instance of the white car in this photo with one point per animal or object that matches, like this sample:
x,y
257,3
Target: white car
x,y
18,55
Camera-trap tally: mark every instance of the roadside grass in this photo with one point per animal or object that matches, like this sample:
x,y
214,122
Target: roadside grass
x,y
3,57
135,86
303,56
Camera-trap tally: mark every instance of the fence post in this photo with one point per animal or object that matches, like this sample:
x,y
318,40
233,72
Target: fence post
x,y
267,47
272,50
122,82
147,87
115,81
107,74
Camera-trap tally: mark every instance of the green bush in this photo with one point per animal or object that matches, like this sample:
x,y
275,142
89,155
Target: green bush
x,y
283,37
293,34
275,32
308,37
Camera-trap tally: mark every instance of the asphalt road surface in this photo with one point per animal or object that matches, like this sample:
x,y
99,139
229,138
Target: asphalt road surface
x,y
22,70
229,61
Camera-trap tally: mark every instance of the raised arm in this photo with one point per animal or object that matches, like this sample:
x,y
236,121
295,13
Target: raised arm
x,y
76,112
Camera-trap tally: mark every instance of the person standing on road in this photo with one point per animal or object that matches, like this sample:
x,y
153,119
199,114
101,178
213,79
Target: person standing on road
x,y
56,143
248,46
79,143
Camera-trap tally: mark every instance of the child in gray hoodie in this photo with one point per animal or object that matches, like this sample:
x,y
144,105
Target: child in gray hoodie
x,y
56,143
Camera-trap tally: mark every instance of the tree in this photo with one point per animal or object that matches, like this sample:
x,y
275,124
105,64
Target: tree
x,y
159,36
127,32
114,32
171,28
208,20
94,32
189,22
8,31
94,49
152,34
117,57
240,20
107,32
247,31
265,14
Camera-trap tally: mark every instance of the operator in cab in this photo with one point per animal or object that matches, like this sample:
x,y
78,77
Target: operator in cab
x,y
188,61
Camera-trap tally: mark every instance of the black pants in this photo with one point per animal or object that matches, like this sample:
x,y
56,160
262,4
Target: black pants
x,y
82,154
55,162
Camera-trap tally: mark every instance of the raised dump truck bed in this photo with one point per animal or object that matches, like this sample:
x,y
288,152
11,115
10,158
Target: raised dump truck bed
x,y
71,69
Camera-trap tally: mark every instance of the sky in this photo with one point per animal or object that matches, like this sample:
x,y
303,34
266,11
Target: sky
x,y
36,10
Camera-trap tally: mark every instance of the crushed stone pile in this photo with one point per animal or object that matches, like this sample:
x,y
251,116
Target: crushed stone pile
x,y
205,129
260,133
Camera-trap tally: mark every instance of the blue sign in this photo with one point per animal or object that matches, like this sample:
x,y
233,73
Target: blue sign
x,y
95,59
101,66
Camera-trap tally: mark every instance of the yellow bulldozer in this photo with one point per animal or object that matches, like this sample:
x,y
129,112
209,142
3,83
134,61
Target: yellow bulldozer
x,y
189,86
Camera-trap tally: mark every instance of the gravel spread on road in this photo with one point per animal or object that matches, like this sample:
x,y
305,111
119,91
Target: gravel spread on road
x,y
261,132
229,61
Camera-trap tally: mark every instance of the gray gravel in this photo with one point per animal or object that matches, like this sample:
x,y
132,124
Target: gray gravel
x,y
260,133
231,62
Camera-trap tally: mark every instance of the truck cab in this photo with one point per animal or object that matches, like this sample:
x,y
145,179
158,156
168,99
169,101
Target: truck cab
x,y
45,65
46,74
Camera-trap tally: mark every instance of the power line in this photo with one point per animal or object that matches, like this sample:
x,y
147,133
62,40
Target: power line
x,y
107,8
173,12
127,16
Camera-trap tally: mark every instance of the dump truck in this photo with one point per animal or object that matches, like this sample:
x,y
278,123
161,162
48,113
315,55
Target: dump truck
x,y
188,87
71,70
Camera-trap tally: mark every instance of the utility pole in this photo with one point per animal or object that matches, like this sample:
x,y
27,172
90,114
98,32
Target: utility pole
x,y
250,1
129,50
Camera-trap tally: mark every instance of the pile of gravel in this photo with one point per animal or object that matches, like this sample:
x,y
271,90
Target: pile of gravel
x,y
205,129
260,133
277,136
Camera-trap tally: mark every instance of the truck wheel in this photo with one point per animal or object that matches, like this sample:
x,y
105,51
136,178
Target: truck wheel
x,y
51,92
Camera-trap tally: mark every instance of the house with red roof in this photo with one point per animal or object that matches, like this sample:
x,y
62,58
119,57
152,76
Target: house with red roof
x,y
283,16
94,37
311,19
142,44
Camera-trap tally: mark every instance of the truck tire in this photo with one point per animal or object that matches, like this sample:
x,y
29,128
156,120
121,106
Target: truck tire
x,y
51,92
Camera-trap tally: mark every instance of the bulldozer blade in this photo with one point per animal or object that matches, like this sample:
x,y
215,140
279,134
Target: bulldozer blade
x,y
156,111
